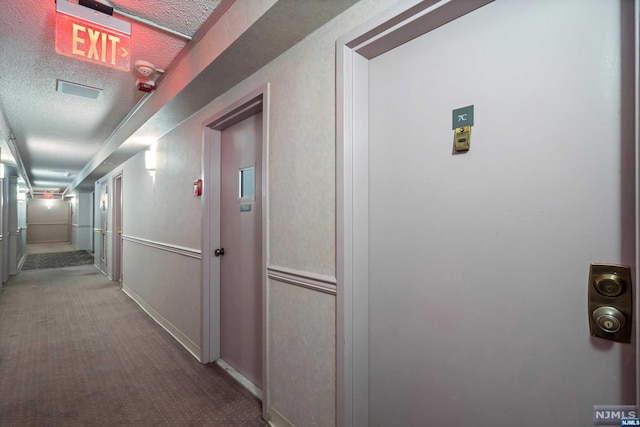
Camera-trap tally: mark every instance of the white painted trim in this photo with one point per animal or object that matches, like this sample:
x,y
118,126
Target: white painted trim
x,y
266,126
276,419
23,258
81,226
116,213
636,46
180,250
210,338
244,381
164,323
313,281
48,223
210,289
397,25
97,266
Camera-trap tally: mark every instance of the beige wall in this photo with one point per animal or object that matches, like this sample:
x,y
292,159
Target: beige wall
x,y
47,220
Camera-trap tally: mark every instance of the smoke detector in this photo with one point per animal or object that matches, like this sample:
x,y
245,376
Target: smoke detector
x,y
146,82
146,69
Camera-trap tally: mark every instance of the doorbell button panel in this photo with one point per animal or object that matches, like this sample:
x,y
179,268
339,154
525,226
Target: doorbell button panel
x,y
610,302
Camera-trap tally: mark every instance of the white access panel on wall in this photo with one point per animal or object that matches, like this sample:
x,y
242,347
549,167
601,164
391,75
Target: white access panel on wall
x,y
478,263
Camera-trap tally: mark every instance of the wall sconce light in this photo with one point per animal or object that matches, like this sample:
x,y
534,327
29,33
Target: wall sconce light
x,y
150,161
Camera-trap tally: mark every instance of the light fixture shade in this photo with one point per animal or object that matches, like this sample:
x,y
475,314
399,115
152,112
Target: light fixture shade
x,y
150,160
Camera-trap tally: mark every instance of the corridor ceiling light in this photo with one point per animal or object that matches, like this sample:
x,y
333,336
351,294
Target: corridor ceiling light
x,y
150,161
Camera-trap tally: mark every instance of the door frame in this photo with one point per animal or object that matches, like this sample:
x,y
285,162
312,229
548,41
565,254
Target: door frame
x,y
635,45
117,228
103,261
388,30
93,222
255,102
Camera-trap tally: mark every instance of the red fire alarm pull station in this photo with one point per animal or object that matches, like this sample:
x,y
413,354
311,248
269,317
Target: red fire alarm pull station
x,y
197,187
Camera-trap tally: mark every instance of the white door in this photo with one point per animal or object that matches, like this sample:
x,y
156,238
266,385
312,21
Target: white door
x,y
478,262
241,238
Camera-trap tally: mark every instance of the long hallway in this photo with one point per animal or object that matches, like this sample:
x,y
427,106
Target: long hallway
x,y
75,350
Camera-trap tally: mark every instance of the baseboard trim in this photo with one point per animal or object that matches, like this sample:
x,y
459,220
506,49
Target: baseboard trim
x,y
180,250
191,347
23,258
244,381
313,281
276,419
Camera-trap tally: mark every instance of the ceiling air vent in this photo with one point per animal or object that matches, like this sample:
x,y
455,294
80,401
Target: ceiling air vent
x,y
77,89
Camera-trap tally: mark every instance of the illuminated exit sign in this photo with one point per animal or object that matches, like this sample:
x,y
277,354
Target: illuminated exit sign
x,y
92,36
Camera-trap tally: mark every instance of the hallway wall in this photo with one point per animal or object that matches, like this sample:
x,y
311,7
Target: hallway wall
x,y
47,220
162,222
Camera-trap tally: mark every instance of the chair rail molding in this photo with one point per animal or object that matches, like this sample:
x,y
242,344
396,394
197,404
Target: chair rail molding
x,y
180,250
313,281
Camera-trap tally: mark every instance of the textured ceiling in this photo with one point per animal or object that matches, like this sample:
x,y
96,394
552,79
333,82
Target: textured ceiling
x,y
184,16
58,134
66,143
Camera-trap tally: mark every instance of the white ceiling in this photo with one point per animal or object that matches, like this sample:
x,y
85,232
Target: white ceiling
x,y
57,134
66,143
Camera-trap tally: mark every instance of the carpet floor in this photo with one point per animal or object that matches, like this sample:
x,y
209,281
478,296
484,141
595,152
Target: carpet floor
x,y
58,260
76,351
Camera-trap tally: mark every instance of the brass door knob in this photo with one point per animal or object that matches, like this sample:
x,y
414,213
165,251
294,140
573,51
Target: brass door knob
x,y
609,319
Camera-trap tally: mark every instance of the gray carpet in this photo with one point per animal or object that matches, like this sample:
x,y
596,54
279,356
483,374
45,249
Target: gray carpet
x,y
76,351
58,260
